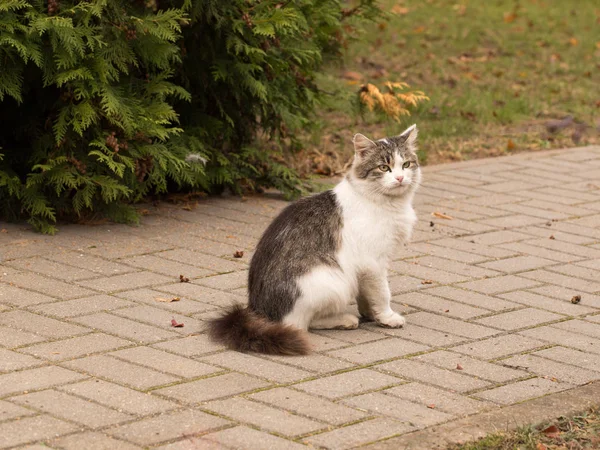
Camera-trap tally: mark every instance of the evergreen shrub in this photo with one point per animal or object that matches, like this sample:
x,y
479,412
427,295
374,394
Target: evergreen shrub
x,y
102,101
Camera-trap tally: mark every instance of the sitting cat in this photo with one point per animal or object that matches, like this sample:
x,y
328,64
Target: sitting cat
x,y
325,250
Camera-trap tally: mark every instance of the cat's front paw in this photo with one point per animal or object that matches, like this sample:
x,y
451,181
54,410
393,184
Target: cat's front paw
x,y
391,320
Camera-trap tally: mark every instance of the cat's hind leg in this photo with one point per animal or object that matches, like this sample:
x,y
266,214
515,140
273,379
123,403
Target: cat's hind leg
x,y
325,292
335,322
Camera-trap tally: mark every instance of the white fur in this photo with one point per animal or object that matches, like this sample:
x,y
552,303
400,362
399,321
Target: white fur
x,y
374,226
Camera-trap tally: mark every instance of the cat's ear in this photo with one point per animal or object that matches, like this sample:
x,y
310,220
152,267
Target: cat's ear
x,y
362,144
409,136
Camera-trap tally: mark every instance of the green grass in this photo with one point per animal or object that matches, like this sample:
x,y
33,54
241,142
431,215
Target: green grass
x,y
580,431
495,72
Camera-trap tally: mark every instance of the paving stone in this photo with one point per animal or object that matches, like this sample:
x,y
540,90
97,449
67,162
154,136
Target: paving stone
x,y
264,416
564,338
76,347
256,366
161,318
347,383
499,285
125,281
471,366
71,408
12,338
514,221
552,369
423,300
29,322
541,252
47,286
498,237
165,362
34,379
565,294
164,427
360,433
425,273
576,271
402,283
562,280
420,335
518,264
185,305
250,439
93,441
522,390
452,326
471,298
426,373
522,318
10,361
15,296
308,405
313,362
497,347
442,400
81,306
436,251
359,336
573,357
31,429
202,293
566,247
169,268
11,411
212,388
546,232
455,267
190,345
526,210
379,350
93,263
52,269
580,326
121,372
193,443
210,262
123,245
126,328
118,397
416,415
550,304
594,318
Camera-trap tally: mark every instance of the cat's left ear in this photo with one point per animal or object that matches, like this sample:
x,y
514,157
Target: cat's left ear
x,y
409,136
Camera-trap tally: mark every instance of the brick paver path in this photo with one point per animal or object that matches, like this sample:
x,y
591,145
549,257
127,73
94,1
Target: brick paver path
x,y
89,359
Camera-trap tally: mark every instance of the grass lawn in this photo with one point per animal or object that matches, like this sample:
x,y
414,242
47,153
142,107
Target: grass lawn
x,y
573,433
497,74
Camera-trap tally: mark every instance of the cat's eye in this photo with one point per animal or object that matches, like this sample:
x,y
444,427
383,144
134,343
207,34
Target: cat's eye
x,y
406,165
385,168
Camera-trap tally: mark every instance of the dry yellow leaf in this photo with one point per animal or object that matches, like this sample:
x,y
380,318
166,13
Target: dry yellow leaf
x,y
441,215
573,41
167,300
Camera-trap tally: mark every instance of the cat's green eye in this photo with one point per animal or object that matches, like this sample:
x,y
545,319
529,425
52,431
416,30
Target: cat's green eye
x,y
385,168
406,165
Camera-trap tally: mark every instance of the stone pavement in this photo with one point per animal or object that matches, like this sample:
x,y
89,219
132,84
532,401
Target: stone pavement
x,y
89,359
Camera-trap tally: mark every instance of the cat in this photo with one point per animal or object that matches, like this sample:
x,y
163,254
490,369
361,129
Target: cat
x,y
325,250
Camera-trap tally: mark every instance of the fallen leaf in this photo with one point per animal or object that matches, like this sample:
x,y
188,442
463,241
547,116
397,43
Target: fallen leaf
x,y
510,17
552,237
441,215
552,431
459,367
427,282
510,145
238,254
3,230
419,29
446,310
573,41
541,446
576,299
548,224
431,406
144,212
186,207
349,75
431,224
56,353
175,324
398,9
183,279
167,300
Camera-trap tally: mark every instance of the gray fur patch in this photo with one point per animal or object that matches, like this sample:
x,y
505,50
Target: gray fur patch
x,y
306,234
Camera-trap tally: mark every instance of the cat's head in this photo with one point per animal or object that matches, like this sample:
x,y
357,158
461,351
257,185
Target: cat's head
x,y
387,167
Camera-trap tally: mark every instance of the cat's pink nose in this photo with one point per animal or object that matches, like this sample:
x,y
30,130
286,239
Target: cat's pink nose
x,y
400,179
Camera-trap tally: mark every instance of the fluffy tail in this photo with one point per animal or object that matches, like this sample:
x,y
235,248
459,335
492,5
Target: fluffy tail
x,y
245,331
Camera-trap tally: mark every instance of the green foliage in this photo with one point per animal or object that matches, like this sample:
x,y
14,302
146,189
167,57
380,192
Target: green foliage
x,y
103,100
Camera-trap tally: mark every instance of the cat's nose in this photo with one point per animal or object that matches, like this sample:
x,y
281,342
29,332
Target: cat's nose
x,y
400,178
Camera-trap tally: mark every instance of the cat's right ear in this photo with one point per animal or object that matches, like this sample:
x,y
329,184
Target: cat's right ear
x,y
362,144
